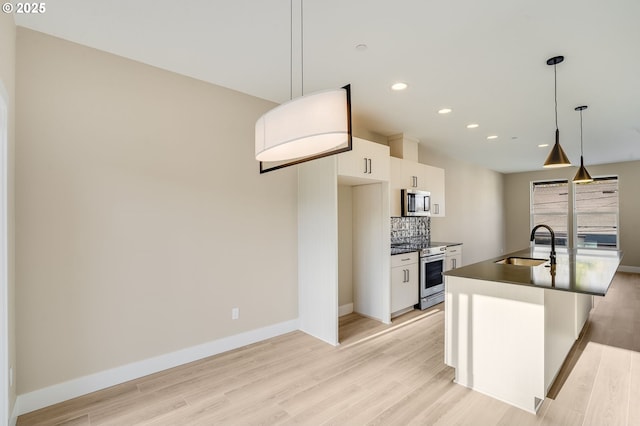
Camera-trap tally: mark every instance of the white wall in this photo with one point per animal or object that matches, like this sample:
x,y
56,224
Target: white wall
x,y
474,207
141,216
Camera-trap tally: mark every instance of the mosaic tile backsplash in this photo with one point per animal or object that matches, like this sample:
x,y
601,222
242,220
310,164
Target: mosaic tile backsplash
x,y
410,229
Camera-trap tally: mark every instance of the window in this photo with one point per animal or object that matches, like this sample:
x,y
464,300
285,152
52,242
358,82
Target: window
x,y
595,212
550,206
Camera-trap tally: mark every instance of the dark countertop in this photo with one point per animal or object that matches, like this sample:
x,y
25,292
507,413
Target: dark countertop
x,y
438,243
588,271
402,250
417,245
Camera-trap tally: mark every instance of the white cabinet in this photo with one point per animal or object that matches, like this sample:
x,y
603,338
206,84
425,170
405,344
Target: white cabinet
x,y
453,257
366,162
404,281
409,174
434,183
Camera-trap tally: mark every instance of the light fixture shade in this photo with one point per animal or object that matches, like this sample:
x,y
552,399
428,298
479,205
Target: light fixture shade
x,y
557,157
583,175
304,126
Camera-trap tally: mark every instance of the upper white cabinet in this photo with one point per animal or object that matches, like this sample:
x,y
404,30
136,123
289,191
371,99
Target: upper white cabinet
x,y
410,174
366,162
434,183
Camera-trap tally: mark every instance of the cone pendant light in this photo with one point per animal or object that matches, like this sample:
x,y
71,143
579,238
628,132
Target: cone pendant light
x,y
557,157
583,175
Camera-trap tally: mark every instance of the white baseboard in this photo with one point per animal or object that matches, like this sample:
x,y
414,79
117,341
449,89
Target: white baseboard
x,y
345,309
83,385
632,269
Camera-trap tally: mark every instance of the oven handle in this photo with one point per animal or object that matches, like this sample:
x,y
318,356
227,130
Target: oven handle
x,y
432,258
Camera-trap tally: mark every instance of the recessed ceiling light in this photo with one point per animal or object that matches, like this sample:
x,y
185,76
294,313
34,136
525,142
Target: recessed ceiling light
x,y
444,111
543,145
492,137
399,86
472,126
361,47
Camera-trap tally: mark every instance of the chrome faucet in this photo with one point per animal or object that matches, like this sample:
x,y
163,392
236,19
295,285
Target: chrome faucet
x,y
552,255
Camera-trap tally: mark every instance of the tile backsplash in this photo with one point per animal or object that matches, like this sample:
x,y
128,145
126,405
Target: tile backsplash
x,y
410,229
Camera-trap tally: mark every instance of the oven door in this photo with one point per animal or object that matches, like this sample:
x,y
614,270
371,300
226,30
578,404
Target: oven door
x,y
431,279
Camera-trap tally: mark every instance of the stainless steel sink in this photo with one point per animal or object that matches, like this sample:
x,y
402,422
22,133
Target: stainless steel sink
x,y
522,261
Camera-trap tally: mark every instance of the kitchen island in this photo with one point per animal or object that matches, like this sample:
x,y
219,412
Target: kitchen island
x,y
509,327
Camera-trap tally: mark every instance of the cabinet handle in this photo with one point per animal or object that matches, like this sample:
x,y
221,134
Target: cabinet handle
x,y
366,170
454,266
408,277
436,207
370,169
404,260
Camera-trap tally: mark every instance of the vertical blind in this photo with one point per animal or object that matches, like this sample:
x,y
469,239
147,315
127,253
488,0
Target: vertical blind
x,y
596,213
550,206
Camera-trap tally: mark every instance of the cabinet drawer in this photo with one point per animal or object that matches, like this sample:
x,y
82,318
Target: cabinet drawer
x,y
454,250
404,259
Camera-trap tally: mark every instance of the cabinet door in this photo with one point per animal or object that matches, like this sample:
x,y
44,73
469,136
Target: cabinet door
x,y
434,183
453,262
366,160
404,174
404,287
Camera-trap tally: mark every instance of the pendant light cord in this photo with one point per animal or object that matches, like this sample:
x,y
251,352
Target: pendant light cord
x,y
581,134
301,48
291,50
555,92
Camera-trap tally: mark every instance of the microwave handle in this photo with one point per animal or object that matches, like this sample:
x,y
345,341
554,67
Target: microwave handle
x,y
427,203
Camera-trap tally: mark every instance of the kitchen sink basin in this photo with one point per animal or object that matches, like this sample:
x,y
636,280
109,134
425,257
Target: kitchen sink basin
x,y
522,261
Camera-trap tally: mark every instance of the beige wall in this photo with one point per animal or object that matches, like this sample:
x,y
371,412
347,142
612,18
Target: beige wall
x,y
7,79
142,218
474,207
516,194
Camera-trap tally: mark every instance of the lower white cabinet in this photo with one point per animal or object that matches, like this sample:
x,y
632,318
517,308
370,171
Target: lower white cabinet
x,y
404,281
453,258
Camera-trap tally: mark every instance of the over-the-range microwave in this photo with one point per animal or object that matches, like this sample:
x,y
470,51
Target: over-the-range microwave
x,y
416,202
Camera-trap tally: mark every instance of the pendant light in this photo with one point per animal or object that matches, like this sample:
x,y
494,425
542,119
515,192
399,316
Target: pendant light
x,y
557,157
307,127
583,175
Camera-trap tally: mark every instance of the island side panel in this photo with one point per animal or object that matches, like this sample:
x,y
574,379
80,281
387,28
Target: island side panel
x,y
560,326
584,305
494,338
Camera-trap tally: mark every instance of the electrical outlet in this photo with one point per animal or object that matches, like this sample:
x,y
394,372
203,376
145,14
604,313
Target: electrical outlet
x,y
235,313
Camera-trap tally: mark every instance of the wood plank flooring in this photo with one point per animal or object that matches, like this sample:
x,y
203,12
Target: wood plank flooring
x,y
388,375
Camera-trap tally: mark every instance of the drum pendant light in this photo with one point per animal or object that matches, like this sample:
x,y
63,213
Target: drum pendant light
x,y
305,127
557,157
583,175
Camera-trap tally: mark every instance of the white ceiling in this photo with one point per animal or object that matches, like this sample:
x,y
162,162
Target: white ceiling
x,y
484,59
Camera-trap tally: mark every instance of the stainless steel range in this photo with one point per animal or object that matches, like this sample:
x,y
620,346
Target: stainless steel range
x,y
431,279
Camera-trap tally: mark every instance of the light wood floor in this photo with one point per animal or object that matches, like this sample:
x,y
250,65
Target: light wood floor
x,y
395,378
